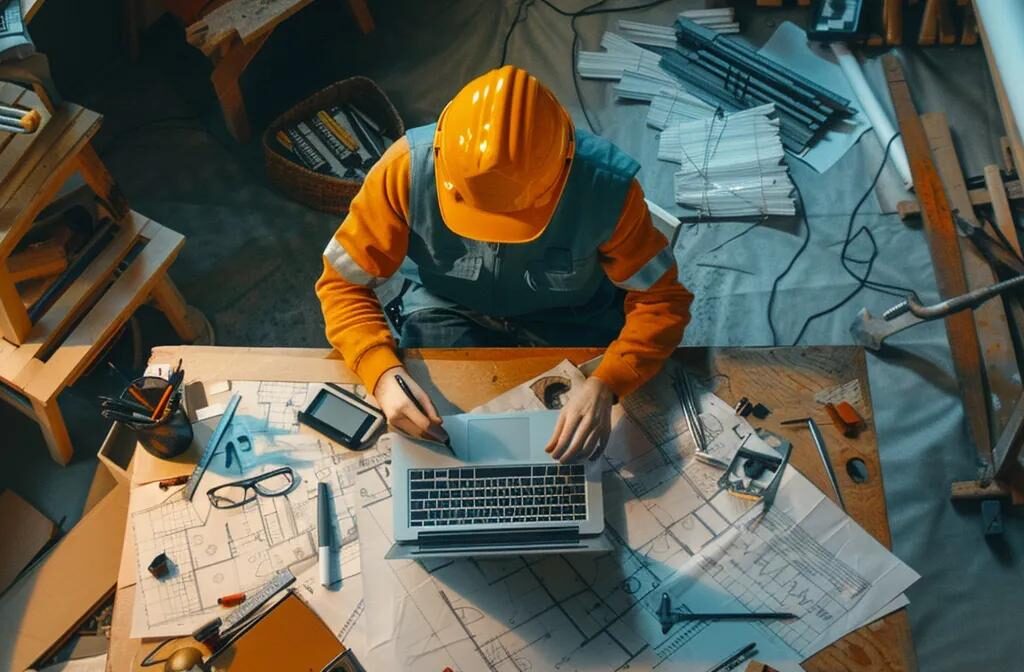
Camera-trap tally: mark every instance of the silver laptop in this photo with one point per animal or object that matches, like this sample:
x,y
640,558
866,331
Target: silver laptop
x,y
499,494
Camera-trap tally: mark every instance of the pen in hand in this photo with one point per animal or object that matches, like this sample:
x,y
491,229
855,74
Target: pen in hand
x,y
438,433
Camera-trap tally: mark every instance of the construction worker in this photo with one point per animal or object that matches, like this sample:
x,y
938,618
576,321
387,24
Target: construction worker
x,y
502,225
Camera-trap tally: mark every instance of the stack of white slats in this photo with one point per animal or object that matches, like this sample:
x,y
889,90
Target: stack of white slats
x,y
649,34
722,20
635,86
673,106
731,165
621,55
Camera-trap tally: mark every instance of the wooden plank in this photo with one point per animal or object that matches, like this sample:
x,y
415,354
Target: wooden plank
x,y
973,490
45,380
1001,207
38,261
947,29
980,196
14,322
19,208
1009,120
363,17
55,430
969,35
945,252
45,606
172,304
929,23
1006,152
29,8
892,19
245,20
80,295
990,318
225,79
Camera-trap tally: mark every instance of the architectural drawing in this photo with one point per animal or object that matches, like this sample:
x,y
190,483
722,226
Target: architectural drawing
x,y
674,530
215,552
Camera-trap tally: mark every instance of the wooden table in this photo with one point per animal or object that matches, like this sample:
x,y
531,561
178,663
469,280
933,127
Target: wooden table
x,y
783,379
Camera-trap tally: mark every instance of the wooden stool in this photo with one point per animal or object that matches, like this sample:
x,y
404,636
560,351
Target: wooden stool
x,y
233,33
43,354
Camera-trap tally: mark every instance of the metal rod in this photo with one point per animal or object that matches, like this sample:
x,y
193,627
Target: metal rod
x,y
819,443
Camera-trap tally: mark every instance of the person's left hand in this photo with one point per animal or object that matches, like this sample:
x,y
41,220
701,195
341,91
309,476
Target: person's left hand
x,y
584,423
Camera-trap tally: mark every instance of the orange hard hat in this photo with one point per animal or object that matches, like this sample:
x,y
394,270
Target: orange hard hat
x,y
502,150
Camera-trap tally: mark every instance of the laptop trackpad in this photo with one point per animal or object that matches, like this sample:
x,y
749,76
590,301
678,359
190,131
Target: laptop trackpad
x,y
497,439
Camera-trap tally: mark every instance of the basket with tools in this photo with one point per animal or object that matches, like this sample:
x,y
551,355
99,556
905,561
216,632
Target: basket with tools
x,y
319,152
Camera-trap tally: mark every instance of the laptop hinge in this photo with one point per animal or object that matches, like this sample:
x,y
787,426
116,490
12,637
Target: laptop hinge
x,y
513,537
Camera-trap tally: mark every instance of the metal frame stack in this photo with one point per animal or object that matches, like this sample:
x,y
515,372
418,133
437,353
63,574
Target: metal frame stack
x,y
724,72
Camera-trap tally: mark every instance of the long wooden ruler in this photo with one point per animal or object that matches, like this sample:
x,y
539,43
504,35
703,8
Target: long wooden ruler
x,y
940,231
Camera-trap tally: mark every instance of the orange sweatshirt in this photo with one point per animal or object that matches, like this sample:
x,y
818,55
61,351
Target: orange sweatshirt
x,y
371,243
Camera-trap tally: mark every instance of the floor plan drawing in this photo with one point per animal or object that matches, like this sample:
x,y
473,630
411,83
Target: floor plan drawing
x,y
674,530
214,552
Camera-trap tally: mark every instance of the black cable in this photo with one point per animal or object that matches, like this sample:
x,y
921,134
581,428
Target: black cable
x,y
789,267
520,16
863,281
739,235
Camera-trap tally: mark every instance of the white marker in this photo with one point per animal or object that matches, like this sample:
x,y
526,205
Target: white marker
x,y
323,525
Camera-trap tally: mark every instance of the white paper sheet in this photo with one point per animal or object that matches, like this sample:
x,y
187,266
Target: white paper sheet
x,y
788,46
667,520
216,552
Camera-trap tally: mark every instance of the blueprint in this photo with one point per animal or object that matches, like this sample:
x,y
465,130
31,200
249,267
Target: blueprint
x,y
215,552
673,530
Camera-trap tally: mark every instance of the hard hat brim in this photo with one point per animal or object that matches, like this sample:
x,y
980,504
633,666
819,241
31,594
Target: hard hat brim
x,y
520,226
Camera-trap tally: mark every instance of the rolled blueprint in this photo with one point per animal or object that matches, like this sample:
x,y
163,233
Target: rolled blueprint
x,y
873,110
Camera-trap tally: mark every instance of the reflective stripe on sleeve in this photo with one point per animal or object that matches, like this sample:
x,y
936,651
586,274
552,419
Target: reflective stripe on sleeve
x,y
649,273
347,267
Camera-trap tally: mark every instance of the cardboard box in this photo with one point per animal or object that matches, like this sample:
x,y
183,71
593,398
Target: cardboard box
x,y
117,452
45,606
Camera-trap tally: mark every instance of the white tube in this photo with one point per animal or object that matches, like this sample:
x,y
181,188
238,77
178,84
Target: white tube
x,y
1002,23
873,110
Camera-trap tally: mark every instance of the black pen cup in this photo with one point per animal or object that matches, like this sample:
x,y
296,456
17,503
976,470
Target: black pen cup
x,y
171,435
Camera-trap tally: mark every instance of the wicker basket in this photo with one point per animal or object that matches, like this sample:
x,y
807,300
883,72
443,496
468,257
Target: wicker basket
x,y
326,192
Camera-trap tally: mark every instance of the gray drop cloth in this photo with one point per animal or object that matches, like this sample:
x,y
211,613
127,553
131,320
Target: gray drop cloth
x,y
965,609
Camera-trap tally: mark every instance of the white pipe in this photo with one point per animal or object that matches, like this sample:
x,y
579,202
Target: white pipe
x,y
873,110
1003,23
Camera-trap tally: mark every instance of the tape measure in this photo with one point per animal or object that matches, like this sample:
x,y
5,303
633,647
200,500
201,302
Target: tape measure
x,y
211,447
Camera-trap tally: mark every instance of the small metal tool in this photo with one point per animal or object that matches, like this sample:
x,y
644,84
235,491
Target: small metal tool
x,y
819,443
691,412
255,600
667,617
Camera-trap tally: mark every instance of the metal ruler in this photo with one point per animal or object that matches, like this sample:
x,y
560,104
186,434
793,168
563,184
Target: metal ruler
x,y
281,580
211,447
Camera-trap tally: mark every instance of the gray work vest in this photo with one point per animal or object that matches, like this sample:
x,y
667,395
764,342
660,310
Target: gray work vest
x,y
561,268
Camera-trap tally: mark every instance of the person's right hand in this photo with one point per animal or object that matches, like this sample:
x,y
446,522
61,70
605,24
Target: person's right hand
x,y
401,411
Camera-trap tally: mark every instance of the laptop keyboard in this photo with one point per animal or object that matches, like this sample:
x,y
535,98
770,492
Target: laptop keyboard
x,y
491,495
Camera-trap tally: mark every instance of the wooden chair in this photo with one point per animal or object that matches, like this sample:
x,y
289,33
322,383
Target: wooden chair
x,y
233,33
40,357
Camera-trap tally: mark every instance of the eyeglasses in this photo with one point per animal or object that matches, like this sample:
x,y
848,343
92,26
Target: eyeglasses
x,y
276,483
